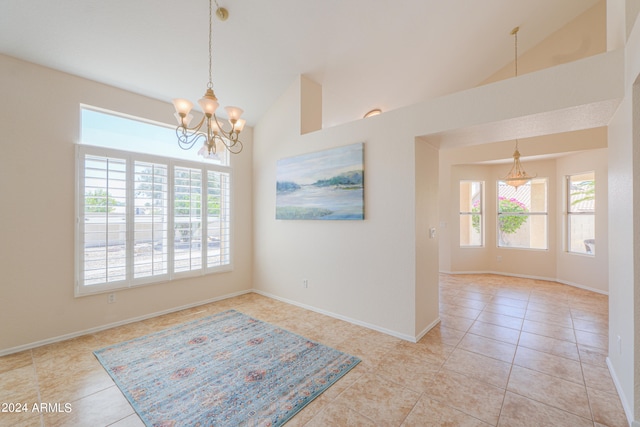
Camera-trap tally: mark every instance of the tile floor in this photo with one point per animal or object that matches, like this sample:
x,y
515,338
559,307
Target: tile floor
x,y
508,352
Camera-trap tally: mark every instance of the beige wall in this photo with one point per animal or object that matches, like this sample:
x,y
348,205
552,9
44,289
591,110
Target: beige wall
x,y
588,271
363,271
585,36
40,128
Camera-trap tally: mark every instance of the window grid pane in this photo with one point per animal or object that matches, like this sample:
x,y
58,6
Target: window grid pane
x,y
581,200
471,211
522,215
218,224
187,219
150,220
105,228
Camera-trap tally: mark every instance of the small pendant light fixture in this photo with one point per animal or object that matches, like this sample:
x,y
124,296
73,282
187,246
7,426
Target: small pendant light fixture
x,y
517,175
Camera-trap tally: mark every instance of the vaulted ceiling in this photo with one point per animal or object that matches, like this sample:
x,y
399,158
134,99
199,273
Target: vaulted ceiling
x,y
365,53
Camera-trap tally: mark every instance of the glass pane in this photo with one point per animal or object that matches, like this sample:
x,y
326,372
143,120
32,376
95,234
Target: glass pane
x,y
113,131
150,220
470,230
105,225
517,227
471,202
582,193
582,234
187,219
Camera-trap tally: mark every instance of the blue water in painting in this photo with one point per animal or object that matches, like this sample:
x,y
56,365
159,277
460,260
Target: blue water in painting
x,y
344,204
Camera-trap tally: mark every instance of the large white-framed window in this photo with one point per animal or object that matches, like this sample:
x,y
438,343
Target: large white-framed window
x,y
144,218
471,214
522,215
581,213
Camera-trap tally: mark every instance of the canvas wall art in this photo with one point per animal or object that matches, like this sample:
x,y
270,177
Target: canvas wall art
x,y
324,185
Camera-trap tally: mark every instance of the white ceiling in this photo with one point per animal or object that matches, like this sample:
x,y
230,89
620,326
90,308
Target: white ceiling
x,y
365,53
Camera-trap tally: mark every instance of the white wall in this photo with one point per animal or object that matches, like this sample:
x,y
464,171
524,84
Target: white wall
x,y
591,272
624,222
40,121
364,271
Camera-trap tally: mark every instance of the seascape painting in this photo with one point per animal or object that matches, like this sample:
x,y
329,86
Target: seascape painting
x,y
325,185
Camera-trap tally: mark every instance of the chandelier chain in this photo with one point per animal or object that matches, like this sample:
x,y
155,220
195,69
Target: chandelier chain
x,y
515,38
210,84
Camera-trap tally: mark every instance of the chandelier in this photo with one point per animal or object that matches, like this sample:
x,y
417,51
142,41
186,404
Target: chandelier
x,y
210,130
517,175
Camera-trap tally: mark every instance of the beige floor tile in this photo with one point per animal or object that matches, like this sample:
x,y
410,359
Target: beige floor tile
x,y
549,345
16,360
130,421
592,340
21,419
607,409
553,318
431,413
506,310
99,409
518,411
488,347
340,416
457,310
475,304
499,333
473,397
599,328
593,356
598,378
549,330
19,386
510,302
455,322
443,335
501,320
414,374
460,364
384,402
479,367
428,351
557,366
553,391
68,384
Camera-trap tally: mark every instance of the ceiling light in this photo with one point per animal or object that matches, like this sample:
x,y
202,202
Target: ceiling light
x,y
373,112
517,175
214,133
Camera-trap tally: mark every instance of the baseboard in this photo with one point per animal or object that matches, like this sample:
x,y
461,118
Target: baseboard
x,y
627,410
65,337
525,276
339,316
426,330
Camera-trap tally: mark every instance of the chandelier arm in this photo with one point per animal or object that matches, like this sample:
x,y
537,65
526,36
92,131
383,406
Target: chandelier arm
x,y
188,138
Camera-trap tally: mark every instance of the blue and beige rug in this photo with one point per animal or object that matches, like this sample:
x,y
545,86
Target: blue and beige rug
x,y
228,369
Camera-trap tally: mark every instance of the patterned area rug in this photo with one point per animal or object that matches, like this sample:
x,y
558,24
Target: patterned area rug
x,y
224,370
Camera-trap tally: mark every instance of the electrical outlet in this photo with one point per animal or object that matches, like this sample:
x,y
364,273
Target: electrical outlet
x,y
499,258
111,299
305,283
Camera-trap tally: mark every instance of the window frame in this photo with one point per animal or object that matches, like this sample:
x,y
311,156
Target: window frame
x,y
481,214
545,214
569,213
130,281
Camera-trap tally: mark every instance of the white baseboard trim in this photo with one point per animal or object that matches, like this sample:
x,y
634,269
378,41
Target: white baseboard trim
x,y
627,410
426,330
525,276
339,317
76,334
